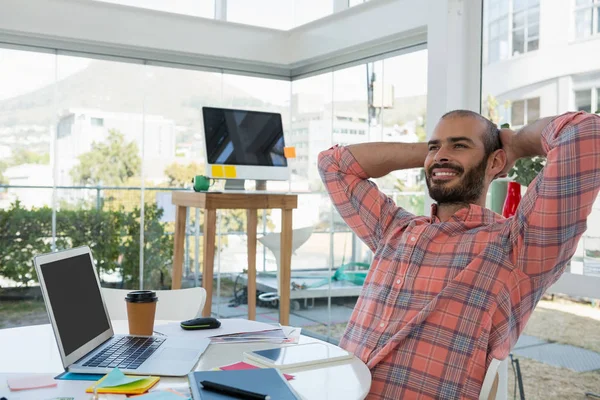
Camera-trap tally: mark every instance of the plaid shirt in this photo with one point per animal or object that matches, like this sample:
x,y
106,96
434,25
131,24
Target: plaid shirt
x,y
442,299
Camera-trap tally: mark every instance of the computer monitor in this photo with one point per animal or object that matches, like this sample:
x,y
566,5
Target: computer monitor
x,y
242,144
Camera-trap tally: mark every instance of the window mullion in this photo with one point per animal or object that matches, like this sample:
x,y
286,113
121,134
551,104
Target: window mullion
x,y
510,29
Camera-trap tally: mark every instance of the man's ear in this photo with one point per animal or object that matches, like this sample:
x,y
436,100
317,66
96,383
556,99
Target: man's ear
x,y
496,163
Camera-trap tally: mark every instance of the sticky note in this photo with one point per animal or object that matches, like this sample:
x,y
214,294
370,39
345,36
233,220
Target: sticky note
x,y
230,171
118,378
289,152
217,171
30,382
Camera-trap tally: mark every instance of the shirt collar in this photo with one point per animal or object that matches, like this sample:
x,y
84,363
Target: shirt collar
x,y
472,213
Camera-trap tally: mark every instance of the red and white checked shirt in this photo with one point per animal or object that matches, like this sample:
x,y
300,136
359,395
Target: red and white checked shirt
x,y
442,299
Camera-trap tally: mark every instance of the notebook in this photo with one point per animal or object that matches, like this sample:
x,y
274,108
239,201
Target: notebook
x,y
83,330
267,381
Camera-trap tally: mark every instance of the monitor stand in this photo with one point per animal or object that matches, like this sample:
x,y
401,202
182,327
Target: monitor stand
x,y
261,184
235,184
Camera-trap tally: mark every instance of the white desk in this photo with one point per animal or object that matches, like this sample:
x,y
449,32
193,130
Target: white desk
x,y
33,349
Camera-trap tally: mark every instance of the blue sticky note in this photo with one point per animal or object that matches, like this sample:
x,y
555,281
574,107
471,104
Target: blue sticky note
x,y
118,378
71,376
160,395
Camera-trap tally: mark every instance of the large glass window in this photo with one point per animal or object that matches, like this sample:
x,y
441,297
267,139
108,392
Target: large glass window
x,y
119,137
197,8
587,18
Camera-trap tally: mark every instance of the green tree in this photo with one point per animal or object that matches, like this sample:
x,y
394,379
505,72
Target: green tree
x,y
109,163
25,156
181,175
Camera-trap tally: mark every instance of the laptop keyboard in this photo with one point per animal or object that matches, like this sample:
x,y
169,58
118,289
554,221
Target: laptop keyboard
x,y
126,352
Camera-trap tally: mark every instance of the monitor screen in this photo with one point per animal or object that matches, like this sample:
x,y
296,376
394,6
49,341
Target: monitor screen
x,y
243,138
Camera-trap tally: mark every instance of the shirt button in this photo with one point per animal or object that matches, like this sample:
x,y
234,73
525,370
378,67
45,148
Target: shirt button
x,y
381,325
412,239
399,281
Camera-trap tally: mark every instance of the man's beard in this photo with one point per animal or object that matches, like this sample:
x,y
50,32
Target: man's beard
x,y
467,190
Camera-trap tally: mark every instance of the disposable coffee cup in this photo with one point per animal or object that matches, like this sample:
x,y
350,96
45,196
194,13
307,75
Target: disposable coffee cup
x,y
141,308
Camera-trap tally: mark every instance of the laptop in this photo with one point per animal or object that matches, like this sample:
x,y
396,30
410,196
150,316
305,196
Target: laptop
x,y
83,330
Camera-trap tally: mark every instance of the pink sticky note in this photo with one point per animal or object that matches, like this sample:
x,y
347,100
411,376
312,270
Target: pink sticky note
x,y
31,382
243,365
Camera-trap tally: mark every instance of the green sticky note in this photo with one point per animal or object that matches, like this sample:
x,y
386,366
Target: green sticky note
x,y
117,378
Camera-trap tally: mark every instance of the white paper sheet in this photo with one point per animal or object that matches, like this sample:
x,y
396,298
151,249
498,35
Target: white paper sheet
x,y
228,326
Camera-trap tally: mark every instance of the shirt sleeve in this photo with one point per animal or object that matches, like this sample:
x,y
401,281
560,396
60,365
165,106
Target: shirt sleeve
x,y
366,210
552,215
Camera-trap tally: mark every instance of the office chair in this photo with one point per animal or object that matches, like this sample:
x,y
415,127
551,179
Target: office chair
x,y
489,389
177,305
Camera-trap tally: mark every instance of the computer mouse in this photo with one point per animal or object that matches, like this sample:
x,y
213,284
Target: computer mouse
x,y
200,323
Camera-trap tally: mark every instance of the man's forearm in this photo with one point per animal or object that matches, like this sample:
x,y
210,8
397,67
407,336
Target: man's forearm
x,y
528,140
380,158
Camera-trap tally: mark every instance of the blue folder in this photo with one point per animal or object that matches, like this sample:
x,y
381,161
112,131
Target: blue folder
x,y
267,381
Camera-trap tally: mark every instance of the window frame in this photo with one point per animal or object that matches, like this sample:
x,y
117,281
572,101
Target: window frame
x,y
595,28
508,19
525,110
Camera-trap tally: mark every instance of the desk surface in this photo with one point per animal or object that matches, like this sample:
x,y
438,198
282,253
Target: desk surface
x,y
241,200
33,349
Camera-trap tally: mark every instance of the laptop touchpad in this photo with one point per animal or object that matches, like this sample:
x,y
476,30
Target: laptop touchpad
x,y
177,354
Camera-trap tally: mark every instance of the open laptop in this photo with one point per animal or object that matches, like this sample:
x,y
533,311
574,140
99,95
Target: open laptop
x,y
83,330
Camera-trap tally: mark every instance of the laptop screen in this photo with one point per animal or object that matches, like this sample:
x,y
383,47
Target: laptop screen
x,y
76,302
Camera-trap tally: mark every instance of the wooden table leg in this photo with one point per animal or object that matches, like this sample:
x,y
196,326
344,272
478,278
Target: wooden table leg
x,y
178,241
285,275
210,224
251,232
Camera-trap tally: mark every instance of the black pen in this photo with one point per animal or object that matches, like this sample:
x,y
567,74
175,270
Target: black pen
x,y
232,391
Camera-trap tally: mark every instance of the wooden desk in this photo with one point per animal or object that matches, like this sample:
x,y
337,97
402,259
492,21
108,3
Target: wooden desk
x,y
251,202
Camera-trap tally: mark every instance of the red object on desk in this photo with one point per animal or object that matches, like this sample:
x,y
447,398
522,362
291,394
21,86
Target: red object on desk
x,y
243,365
513,198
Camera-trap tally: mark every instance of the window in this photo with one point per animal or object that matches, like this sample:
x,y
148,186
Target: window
x,y
497,30
523,18
97,121
525,111
525,26
583,100
587,18
588,100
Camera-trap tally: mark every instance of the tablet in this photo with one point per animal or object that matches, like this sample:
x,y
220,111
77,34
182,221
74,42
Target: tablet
x,y
298,355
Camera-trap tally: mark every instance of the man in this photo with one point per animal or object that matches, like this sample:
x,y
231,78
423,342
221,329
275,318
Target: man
x,y
448,293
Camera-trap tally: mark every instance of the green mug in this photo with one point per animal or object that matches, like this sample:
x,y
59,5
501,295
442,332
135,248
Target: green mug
x,y
201,183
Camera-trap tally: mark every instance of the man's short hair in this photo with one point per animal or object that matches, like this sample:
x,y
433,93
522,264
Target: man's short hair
x,y
491,135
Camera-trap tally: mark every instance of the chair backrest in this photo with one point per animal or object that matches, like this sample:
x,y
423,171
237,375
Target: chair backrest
x,y
272,241
489,389
177,305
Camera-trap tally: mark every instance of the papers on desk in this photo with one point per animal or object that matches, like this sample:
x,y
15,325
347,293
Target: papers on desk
x,y
236,330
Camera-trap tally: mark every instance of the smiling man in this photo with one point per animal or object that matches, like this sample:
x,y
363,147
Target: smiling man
x,y
447,293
